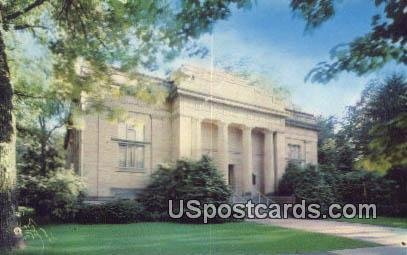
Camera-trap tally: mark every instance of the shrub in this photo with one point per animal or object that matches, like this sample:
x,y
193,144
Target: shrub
x,y
115,212
395,210
54,197
313,188
306,183
399,176
365,187
289,180
25,215
187,180
330,186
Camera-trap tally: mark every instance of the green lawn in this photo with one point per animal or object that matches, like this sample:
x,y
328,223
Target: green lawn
x,y
179,239
381,221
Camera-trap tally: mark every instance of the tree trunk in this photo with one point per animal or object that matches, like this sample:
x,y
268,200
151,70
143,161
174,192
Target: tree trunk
x,y
7,155
43,145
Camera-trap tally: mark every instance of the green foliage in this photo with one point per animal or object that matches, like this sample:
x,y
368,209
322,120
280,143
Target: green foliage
x,y
126,34
364,187
327,153
385,42
187,180
376,125
335,149
38,158
115,212
331,186
307,183
54,196
314,12
286,186
399,176
85,42
25,214
372,135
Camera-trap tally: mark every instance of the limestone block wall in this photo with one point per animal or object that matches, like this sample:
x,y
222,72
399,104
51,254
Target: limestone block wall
x,y
100,164
239,126
307,140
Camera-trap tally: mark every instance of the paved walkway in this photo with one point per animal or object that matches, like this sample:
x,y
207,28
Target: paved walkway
x,y
382,250
370,233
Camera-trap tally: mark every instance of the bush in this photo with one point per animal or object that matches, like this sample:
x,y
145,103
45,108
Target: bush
x,y
395,210
330,186
54,197
365,187
399,176
187,180
115,212
289,180
306,183
25,215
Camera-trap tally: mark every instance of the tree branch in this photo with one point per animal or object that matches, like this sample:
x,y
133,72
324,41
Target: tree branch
x,y
24,10
19,93
60,125
25,26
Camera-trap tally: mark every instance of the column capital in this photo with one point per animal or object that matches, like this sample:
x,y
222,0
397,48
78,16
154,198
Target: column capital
x,y
221,123
247,128
269,130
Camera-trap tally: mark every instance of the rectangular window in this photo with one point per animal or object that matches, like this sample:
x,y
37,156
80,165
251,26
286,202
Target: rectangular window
x,y
131,138
131,156
294,152
131,132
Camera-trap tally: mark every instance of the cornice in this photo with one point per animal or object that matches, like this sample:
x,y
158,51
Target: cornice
x,y
228,102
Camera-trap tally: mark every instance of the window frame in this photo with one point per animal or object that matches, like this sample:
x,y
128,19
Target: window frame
x,y
129,147
298,153
134,162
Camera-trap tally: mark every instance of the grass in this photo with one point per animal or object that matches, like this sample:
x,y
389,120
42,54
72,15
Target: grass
x,y
178,239
397,222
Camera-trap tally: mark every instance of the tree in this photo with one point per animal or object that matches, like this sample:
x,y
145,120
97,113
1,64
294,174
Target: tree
x,y
385,42
326,141
39,116
387,109
39,146
128,34
335,149
376,125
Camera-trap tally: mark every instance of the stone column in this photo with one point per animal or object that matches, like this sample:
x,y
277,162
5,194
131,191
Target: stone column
x,y
247,163
181,137
223,150
269,185
196,139
280,156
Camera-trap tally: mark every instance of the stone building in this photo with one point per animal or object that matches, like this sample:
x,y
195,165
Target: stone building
x,y
249,133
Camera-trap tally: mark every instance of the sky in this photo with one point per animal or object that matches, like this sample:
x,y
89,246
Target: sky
x,y
271,40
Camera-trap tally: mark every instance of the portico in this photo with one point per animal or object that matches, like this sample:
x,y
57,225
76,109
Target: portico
x,y
243,128
247,156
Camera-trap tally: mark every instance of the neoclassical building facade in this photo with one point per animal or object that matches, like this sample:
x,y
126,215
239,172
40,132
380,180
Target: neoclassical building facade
x,y
249,133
